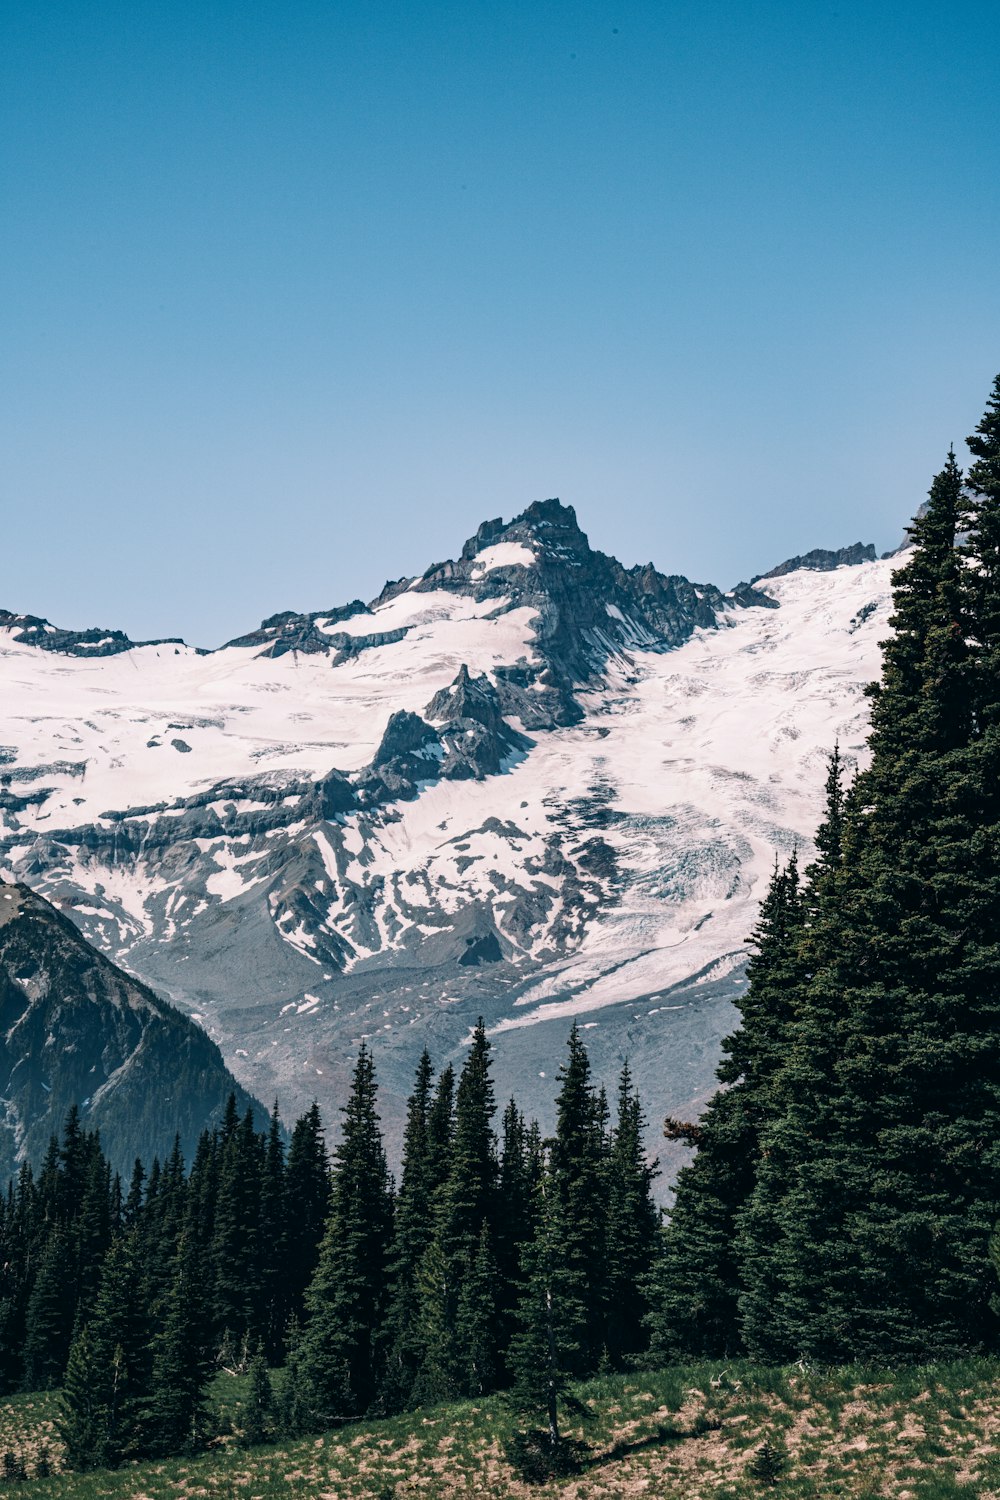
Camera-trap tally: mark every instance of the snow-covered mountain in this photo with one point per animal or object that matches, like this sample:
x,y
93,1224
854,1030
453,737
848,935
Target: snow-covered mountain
x,y
529,784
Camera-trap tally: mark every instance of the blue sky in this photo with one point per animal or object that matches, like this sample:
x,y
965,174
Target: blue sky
x,y
293,296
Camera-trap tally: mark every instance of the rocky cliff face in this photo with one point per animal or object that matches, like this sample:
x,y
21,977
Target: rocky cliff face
x,y
74,1029
528,783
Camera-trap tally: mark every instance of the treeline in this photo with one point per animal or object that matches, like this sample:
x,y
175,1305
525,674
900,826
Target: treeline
x,y
846,1186
503,1261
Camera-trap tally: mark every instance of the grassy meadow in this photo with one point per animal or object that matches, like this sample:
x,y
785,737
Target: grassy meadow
x,y
689,1433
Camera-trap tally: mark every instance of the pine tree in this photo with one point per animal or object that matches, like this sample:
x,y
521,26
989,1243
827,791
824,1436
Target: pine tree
x,y
868,1228
50,1314
981,519
293,1411
633,1230
476,1329
411,1235
275,1309
107,1380
544,1352
465,1201
520,1170
699,1273
307,1206
182,1356
236,1244
258,1412
345,1297
441,1130
579,1207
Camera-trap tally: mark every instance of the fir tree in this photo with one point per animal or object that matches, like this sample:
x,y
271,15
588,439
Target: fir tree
x,y
345,1297
294,1409
50,1314
237,1292
544,1352
579,1207
258,1411
182,1356
465,1202
307,1206
107,1380
275,1308
868,1228
699,1273
633,1230
411,1235
476,1329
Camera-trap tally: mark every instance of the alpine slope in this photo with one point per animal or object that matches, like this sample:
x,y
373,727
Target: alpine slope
x,y
528,784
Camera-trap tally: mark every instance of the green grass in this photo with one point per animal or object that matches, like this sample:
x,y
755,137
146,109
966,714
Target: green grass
x,y
687,1433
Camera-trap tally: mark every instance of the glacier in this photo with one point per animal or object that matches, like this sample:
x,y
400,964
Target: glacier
x,y
529,784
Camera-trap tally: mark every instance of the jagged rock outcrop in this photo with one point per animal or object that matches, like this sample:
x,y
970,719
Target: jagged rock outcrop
x,y
527,783
822,560
33,630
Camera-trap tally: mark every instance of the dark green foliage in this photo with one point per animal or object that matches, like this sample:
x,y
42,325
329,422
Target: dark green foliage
x,y
545,1351
699,1273
767,1464
294,1412
257,1415
577,1200
520,1171
855,1218
346,1295
464,1202
307,1204
13,1470
633,1231
182,1357
107,1380
402,1341
50,1314
476,1328
274,1310
131,1300
236,1242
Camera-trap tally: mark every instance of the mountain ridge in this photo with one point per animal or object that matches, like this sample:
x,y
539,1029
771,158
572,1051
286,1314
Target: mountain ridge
x,y
76,1030
527,783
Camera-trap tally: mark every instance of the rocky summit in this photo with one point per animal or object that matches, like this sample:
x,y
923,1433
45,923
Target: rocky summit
x,y
528,783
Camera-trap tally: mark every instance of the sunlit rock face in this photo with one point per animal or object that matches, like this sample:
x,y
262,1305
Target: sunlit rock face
x,y
528,784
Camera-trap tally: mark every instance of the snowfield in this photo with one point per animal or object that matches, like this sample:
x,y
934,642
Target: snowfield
x,y
173,802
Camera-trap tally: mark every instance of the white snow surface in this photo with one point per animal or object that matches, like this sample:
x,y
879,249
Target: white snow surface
x,y
711,759
237,711
503,555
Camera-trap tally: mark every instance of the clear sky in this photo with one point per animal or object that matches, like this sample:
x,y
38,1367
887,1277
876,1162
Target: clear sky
x,y
294,295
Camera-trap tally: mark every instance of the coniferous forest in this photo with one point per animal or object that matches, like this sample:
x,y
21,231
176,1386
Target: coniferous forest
x,y
840,1205
503,1261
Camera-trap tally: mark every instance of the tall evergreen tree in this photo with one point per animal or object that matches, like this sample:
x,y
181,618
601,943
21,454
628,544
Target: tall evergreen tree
x,y
275,1309
867,1233
544,1353
307,1206
345,1297
182,1356
579,1207
465,1201
107,1383
633,1229
411,1235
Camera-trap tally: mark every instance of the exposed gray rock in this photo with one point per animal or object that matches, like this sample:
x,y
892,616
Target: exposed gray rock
x,y
32,630
822,560
75,1029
